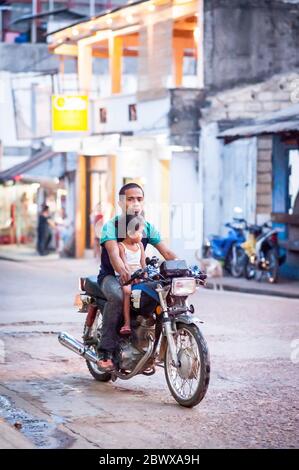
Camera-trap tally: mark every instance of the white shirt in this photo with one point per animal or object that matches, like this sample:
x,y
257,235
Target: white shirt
x,y
133,258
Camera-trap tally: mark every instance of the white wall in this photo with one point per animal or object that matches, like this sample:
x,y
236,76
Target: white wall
x,y
238,184
210,170
227,179
152,116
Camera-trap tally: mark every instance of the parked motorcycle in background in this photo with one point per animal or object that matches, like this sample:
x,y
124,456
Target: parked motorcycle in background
x,y
263,254
228,249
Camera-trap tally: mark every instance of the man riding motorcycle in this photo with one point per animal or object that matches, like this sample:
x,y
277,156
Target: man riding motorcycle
x,y
131,201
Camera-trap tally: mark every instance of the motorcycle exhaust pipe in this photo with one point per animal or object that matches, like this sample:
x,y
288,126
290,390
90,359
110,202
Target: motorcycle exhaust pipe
x,y
76,346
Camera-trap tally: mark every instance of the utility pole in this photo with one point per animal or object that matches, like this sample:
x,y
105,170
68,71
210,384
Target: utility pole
x,y
33,23
92,8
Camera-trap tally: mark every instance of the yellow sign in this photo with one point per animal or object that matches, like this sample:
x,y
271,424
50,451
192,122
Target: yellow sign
x,y
69,113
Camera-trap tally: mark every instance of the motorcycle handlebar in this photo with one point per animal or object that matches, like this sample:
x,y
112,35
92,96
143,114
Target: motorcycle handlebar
x,y
139,273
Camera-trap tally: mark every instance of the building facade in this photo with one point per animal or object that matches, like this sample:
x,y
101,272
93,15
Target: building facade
x,y
180,73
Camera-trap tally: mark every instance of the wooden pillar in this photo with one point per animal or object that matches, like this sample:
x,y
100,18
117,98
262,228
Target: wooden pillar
x,y
200,44
115,62
84,67
178,49
80,221
112,181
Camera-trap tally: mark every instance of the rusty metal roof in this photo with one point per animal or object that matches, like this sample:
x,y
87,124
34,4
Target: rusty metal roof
x,y
24,168
286,120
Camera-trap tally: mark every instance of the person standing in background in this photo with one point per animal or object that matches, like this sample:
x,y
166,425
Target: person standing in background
x,y
44,234
97,220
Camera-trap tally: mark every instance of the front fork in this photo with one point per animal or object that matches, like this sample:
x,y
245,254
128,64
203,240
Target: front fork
x,y
169,332
167,327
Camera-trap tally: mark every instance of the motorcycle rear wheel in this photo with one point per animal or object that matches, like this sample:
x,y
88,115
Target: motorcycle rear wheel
x,y
92,367
272,273
189,383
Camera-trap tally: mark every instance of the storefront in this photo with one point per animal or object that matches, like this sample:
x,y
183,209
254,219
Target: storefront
x,y
25,188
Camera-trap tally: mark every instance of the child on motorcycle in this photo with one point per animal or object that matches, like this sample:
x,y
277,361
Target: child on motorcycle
x,y
131,251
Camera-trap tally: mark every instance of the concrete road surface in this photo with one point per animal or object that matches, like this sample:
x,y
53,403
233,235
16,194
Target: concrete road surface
x,y
47,390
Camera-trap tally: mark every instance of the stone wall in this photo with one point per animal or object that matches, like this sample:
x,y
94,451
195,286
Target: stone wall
x,y
247,41
252,101
183,117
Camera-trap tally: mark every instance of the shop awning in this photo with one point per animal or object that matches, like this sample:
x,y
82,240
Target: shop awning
x,y
102,14
285,121
45,165
62,12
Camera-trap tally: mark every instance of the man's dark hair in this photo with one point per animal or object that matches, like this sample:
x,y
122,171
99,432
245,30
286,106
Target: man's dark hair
x,y
127,186
45,207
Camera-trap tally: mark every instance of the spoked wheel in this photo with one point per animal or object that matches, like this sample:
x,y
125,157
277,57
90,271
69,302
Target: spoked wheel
x,y
189,382
250,269
92,367
236,261
273,266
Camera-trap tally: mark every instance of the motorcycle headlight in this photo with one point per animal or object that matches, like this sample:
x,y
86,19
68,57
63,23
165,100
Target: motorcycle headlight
x,y
183,286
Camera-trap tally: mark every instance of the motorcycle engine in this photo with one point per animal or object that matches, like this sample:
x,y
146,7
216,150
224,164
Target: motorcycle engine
x,y
132,350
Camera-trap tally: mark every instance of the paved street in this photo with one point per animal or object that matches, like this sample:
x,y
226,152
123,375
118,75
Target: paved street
x,y
252,400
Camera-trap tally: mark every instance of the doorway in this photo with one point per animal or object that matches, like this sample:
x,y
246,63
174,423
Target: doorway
x,y
96,196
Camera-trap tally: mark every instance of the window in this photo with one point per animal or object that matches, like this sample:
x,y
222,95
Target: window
x,y
103,115
132,112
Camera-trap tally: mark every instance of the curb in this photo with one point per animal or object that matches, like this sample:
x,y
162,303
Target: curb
x,y
252,290
27,260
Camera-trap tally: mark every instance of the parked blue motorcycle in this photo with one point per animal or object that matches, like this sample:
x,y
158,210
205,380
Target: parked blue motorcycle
x,y
228,249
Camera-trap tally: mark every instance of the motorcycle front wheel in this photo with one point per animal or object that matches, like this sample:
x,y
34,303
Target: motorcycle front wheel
x,y
250,269
236,261
189,382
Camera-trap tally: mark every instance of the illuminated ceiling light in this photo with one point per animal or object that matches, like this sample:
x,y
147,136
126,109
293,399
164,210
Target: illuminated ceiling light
x,y
60,41
93,27
151,7
109,21
75,32
130,19
196,34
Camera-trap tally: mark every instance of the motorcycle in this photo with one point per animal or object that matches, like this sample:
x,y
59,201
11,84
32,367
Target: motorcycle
x,y
262,251
165,331
228,249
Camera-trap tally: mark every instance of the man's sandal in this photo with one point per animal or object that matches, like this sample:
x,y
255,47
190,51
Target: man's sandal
x,y
106,365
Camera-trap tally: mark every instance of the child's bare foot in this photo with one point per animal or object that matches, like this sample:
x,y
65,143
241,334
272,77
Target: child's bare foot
x,y
125,330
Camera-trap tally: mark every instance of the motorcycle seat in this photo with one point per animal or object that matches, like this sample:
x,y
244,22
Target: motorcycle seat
x,y
92,287
255,229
